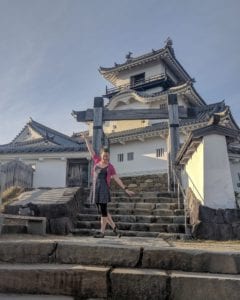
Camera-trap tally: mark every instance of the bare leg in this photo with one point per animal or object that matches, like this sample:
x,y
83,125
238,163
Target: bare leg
x,y
110,221
104,221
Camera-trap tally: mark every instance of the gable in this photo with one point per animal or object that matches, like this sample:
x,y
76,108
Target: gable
x,y
26,135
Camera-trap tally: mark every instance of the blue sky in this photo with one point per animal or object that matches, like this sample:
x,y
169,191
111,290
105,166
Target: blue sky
x,y
50,52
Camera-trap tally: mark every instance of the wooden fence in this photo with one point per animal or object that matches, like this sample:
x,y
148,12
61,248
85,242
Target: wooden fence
x,y
15,173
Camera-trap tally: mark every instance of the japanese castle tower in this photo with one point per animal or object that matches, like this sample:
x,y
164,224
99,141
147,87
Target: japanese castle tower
x,y
140,147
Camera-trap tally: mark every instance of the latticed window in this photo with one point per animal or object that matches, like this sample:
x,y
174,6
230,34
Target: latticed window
x,y
163,106
160,152
120,157
137,79
130,156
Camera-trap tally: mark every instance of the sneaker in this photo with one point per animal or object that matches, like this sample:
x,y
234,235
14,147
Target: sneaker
x,y
98,235
116,231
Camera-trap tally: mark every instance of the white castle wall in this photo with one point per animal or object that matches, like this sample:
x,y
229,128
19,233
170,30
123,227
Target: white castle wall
x,y
50,173
194,171
209,173
150,70
145,160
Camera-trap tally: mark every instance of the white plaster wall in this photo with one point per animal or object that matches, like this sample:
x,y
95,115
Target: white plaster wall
x,y
152,69
50,173
145,160
235,170
209,175
218,185
194,173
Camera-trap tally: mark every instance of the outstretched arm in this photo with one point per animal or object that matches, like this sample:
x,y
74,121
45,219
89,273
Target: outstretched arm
x,y
89,145
121,184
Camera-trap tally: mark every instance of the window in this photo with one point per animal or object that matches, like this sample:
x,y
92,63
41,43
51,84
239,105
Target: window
x,y
239,176
120,157
160,152
137,79
130,156
163,106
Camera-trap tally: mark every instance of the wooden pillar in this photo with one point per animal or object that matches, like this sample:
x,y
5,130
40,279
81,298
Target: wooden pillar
x,y
173,137
97,124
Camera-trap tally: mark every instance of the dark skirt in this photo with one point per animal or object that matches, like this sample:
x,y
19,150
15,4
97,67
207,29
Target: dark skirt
x,y
102,191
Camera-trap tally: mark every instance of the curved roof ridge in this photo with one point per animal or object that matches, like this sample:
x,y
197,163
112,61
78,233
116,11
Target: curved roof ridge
x,y
53,131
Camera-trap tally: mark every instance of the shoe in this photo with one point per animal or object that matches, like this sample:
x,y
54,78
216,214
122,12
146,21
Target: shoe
x,y
116,231
98,235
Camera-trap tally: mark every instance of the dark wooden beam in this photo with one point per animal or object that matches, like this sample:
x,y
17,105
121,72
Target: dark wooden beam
x,y
129,114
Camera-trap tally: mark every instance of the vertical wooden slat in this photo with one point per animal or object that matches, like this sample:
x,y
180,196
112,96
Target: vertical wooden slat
x,y
173,136
97,124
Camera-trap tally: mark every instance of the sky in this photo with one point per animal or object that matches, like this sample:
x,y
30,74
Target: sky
x,y
50,52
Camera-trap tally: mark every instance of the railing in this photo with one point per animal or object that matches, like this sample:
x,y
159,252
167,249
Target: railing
x,y
136,83
177,181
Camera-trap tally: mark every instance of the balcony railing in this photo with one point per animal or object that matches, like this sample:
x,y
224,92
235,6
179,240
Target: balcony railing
x,y
136,84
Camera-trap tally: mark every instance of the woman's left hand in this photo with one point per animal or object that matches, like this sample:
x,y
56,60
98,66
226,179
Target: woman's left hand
x,y
130,193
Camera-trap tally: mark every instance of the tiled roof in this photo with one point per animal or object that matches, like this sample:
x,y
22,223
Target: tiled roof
x,y
234,149
41,149
166,53
50,141
195,137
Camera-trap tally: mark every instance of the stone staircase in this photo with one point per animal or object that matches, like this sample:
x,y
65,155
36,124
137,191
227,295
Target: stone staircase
x,y
117,269
151,212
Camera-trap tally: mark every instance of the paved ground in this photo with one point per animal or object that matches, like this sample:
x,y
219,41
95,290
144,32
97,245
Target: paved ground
x,y
225,246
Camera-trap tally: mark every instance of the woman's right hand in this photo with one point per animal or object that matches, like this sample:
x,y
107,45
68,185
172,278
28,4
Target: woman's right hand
x,y
130,193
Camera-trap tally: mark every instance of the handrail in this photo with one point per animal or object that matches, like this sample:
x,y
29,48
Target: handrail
x,y
195,188
181,189
137,83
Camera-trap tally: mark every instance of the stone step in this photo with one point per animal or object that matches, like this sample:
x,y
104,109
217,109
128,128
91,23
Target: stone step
x,y
162,209
13,228
176,285
124,221
134,218
90,232
54,279
124,252
34,297
146,194
117,283
130,226
135,199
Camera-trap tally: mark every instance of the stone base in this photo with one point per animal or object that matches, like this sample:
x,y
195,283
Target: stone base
x,y
60,207
213,224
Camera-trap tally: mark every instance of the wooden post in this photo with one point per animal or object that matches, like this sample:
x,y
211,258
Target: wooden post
x,y
97,124
173,136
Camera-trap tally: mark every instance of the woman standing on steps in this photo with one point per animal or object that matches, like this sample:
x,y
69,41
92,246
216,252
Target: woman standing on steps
x,y
103,171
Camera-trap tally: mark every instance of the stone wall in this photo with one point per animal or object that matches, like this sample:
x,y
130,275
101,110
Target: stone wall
x,y
140,183
59,206
212,224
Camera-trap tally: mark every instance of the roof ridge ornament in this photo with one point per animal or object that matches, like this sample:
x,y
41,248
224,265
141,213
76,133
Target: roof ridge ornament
x,y
129,56
169,45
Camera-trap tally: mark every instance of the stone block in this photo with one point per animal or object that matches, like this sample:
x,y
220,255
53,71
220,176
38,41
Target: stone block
x,y
113,255
61,226
24,251
191,260
236,231
81,281
138,284
212,231
199,286
232,216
